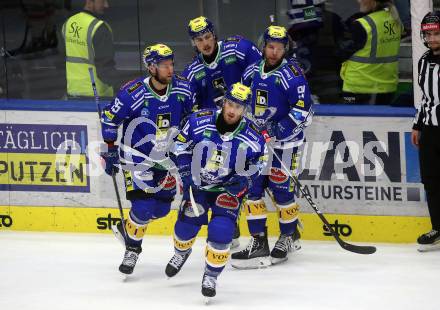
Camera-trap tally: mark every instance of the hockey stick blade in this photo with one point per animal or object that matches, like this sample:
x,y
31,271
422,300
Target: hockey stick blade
x,y
359,249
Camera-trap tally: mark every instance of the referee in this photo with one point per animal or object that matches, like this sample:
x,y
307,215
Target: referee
x,y
426,132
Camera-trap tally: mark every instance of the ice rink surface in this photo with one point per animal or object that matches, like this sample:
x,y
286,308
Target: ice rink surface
x,y
79,271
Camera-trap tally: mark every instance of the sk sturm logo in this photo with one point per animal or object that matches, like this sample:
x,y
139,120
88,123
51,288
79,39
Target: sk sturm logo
x,y
74,28
340,229
106,222
5,221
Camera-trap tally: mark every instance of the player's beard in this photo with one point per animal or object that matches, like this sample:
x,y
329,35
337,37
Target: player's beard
x,y
162,80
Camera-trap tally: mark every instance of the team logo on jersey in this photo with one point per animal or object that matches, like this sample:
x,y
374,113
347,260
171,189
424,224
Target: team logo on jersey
x,y
168,182
163,122
227,201
277,175
216,161
261,102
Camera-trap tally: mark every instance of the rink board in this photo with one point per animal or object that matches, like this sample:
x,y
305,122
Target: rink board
x,y
98,220
365,177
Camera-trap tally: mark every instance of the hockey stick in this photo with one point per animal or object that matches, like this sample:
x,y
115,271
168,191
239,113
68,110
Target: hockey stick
x,y
193,202
360,249
115,184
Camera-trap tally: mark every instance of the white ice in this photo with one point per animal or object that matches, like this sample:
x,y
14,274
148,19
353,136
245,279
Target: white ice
x,y
79,272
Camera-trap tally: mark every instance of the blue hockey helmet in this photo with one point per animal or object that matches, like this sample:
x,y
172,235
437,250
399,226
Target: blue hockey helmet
x,y
239,93
199,26
156,53
277,34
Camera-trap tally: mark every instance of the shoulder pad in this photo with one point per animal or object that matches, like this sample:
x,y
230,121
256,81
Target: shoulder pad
x,y
204,113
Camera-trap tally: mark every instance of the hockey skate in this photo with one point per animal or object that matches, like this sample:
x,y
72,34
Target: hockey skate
x,y
208,286
284,245
130,258
429,241
119,233
176,263
255,255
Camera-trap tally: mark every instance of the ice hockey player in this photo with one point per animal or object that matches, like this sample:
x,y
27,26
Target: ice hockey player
x,y
219,154
426,131
149,109
281,102
217,64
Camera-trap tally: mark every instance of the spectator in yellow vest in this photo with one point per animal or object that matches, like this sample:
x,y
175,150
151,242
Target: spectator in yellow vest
x,y
370,69
89,44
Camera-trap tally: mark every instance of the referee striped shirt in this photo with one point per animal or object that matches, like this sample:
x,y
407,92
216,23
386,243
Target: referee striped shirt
x,y
428,113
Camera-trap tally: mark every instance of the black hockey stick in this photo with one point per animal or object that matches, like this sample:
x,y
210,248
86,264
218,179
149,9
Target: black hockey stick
x,y
360,249
115,184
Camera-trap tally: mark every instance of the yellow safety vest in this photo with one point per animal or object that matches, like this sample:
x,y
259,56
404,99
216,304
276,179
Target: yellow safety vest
x,y
374,68
78,32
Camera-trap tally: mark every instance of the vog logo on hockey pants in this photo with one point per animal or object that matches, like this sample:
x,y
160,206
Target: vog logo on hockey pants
x,y
5,220
340,229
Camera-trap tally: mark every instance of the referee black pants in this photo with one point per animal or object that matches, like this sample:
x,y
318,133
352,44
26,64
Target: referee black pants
x,y
430,171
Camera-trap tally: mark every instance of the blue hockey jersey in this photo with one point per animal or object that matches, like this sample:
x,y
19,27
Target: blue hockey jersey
x,y
146,117
215,158
281,99
210,80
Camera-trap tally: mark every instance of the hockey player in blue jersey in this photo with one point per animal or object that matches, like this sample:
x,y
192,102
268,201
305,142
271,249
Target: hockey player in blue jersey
x,y
281,102
218,64
219,154
150,111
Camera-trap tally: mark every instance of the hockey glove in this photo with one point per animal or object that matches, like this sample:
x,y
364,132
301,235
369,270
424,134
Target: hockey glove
x,y
111,159
237,186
